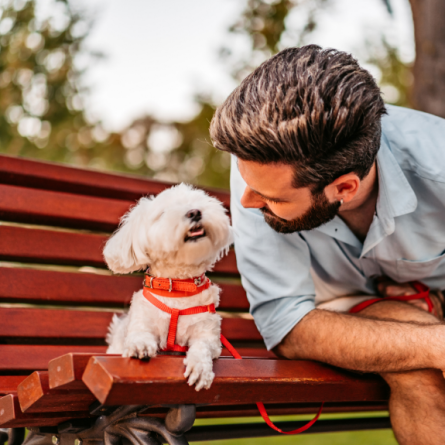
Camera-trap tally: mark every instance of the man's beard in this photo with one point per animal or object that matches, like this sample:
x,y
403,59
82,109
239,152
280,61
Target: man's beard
x,y
321,212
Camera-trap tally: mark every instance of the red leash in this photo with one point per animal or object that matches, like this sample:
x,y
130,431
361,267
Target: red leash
x,y
423,292
175,288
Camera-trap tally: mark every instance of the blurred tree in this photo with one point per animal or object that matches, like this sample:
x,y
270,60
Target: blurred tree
x,y
429,65
41,107
263,22
396,80
42,113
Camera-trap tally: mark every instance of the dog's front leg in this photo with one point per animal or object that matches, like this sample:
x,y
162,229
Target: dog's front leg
x,y
204,346
142,337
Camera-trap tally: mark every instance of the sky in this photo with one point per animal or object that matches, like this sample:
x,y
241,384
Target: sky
x,y
159,54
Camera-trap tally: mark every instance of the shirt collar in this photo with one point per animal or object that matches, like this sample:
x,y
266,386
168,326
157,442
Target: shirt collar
x,y
396,197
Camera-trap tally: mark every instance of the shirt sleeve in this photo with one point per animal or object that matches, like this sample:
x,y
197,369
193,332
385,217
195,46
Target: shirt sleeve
x,y
274,268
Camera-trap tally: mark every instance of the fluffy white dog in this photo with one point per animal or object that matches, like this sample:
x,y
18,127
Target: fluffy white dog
x,y
178,234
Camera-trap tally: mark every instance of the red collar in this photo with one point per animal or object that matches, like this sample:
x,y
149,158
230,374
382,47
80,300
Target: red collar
x,y
174,287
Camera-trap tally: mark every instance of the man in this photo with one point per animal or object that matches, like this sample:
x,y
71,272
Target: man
x,y
331,191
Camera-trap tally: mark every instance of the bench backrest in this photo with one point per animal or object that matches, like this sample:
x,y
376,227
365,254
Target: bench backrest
x,y
56,295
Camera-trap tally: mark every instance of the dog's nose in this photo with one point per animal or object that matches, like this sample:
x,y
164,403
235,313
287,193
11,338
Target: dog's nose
x,y
194,215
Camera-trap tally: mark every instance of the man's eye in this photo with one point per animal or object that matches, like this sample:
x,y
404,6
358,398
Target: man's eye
x,y
272,200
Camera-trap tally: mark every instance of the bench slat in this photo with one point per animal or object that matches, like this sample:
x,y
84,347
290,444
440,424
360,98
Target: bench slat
x,y
35,396
282,409
9,383
11,416
66,372
120,381
21,204
51,246
21,285
45,175
29,358
21,358
89,325
78,249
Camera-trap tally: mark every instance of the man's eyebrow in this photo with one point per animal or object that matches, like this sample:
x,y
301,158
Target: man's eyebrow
x,y
267,198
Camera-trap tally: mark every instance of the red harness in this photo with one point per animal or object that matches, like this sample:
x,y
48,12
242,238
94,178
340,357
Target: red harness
x,y
175,288
423,292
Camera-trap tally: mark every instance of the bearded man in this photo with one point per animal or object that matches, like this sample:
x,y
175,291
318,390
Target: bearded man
x,y
336,199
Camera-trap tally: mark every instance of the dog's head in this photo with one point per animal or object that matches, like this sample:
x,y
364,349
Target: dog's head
x,y
180,229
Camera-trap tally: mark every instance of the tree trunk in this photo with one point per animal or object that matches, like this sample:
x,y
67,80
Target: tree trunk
x,y
429,67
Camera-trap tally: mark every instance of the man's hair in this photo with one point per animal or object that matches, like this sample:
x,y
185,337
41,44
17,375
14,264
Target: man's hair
x,y
314,109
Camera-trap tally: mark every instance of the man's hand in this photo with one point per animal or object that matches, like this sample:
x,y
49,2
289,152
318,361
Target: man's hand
x,y
389,288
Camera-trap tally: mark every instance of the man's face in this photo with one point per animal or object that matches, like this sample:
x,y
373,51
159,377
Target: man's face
x,y
285,208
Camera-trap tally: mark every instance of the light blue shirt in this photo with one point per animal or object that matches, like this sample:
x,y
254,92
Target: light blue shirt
x,y
406,240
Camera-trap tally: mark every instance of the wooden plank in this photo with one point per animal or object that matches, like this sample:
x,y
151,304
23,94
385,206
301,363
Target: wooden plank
x,y
238,329
214,411
66,372
11,416
82,289
122,381
22,204
28,358
62,325
51,176
51,246
79,249
35,396
43,286
9,383
53,324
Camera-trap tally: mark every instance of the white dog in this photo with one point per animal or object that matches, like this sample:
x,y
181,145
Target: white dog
x,y
179,234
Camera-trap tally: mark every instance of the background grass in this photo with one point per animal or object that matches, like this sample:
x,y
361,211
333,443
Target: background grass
x,y
374,437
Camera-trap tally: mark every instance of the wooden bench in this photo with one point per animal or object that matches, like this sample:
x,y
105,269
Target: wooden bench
x,y
57,299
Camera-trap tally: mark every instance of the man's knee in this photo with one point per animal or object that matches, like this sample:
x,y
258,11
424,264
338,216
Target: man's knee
x,y
425,384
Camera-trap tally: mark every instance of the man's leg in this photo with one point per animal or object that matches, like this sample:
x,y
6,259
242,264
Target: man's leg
x,y
417,403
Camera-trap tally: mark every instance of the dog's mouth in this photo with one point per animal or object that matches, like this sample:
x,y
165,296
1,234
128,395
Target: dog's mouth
x,y
197,231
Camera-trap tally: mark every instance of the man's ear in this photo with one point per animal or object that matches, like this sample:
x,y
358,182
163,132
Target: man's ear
x,y
126,250
343,188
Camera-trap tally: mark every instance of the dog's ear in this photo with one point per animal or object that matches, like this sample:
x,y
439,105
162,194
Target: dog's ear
x,y
225,238
126,250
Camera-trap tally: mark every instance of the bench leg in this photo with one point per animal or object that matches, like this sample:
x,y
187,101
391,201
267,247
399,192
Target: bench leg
x,y
121,426
14,436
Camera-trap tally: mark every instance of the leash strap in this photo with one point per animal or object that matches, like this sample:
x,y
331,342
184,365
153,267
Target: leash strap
x,y
264,415
260,405
171,346
423,292
175,313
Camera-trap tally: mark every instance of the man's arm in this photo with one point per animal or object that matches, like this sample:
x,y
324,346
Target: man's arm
x,y
365,344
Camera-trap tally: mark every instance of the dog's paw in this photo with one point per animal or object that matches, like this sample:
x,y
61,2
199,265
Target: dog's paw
x,y
139,346
199,372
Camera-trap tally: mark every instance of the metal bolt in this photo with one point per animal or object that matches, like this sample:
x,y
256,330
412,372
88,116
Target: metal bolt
x,y
55,440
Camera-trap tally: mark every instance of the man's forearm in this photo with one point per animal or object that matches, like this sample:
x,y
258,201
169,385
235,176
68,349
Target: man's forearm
x,y
365,344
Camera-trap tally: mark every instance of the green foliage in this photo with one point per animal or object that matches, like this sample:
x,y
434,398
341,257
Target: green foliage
x,y
396,76
41,95
41,101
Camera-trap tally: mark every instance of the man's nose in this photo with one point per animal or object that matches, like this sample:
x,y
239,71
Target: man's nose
x,y
195,215
250,200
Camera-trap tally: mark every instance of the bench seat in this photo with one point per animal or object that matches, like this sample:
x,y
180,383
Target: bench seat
x,y
57,299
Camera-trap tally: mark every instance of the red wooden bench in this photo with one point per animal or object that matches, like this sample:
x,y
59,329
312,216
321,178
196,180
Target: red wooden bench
x,y
57,299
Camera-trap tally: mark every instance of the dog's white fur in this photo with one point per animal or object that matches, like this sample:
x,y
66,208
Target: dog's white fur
x,y
153,234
